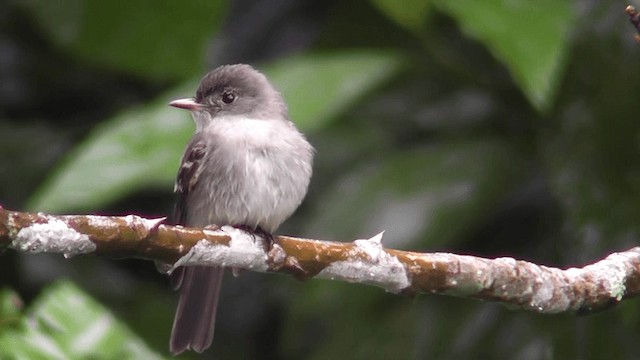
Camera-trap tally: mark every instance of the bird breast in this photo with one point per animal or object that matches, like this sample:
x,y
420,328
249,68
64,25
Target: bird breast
x,y
259,171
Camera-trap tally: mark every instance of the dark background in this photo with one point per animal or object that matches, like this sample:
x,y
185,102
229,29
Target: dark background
x,y
498,128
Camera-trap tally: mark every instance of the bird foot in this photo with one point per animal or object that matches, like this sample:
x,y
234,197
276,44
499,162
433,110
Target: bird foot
x,y
258,231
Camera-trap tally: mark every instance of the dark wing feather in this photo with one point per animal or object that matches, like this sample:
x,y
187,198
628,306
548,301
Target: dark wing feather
x,y
188,174
195,316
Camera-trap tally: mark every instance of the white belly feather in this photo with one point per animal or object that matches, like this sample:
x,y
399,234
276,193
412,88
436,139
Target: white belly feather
x,y
259,176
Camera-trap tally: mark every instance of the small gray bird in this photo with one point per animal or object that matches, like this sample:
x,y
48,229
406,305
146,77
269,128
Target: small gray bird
x,y
247,166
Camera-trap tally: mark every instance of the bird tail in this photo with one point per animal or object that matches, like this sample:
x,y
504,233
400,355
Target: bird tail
x,y
196,313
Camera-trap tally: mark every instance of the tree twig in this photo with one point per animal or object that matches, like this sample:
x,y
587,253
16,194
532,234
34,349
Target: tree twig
x,y
634,18
519,284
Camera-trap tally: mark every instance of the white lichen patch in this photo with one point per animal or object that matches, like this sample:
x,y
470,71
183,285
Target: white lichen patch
x,y
99,221
133,220
244,251
612,274
277,254
544,293
376,268
54,236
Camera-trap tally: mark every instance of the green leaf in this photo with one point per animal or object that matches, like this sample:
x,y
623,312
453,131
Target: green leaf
x,y
319,87
409,14
159,39
138,148
432,194
142,147
65,323
530,37
10,308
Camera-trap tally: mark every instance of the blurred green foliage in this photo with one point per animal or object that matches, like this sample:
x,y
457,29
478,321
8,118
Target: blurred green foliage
x,y
123,34
140,148
530,38
490,128
64,323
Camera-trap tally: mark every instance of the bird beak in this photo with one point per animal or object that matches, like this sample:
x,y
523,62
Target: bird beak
x,y
188,104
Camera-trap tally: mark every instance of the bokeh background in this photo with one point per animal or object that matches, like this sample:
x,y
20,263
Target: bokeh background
x,y
493,128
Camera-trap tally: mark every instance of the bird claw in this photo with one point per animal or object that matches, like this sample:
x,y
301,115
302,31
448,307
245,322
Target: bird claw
x,y
258,231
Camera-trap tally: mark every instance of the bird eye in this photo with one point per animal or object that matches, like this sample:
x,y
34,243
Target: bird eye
x,y
228,97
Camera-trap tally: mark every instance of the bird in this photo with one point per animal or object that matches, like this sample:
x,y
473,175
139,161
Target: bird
x,y
248,166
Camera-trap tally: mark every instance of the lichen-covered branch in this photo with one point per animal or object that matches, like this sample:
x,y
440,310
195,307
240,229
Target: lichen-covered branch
x,y
509,281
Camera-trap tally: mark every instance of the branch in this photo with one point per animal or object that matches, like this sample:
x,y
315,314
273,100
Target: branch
x,y
518,283
634,19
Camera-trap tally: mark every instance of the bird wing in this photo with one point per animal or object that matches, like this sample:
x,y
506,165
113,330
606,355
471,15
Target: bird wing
x,y
190,169
188,174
